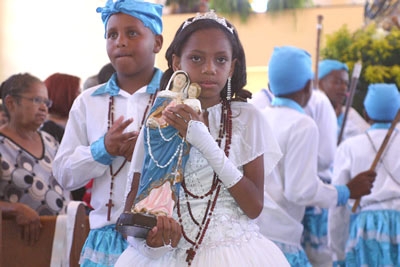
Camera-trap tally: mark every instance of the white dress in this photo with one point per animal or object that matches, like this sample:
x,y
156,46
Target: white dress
x,y
232,239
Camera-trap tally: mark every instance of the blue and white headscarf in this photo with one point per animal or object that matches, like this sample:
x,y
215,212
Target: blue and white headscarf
x,y
149,13
328,65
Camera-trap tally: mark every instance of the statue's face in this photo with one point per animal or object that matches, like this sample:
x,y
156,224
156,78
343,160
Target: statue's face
x,y
180,81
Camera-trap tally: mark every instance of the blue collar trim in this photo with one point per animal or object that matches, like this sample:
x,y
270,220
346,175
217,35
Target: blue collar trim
x,y
286,102
113,89
380,125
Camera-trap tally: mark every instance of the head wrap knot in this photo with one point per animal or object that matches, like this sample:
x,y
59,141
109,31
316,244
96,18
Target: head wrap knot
x,y
328,65
382,101
149,13
289,70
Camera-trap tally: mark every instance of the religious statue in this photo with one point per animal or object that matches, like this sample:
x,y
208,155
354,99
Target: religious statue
x,y
166,153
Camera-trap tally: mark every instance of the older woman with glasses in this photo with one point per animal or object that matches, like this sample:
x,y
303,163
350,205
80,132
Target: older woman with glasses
x,y
27,187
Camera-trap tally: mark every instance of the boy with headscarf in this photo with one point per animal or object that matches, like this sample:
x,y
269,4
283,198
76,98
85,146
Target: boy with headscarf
x,y
105,120
372,238
294,183
333,84
314,239
333,79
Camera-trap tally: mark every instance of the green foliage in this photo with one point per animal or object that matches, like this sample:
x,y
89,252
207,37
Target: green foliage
x,y
241,7
279,5
378,50
231,7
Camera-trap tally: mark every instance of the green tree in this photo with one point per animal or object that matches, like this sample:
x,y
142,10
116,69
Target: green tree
x,y
279,5
378,50
240,7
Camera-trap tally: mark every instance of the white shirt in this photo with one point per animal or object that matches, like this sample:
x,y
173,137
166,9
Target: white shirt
x,y
262,98
356,155
355,124
320,109
74,165
294,183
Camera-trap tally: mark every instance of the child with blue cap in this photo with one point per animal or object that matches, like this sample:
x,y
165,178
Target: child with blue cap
x,y
372,238
104,122
319,108
323,107
333,79
294,183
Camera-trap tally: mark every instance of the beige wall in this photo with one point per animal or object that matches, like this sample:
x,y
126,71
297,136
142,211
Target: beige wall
x,y
47,36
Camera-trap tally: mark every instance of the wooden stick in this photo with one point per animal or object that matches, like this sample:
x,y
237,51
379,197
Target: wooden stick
x,y
349,101
380,151
319,30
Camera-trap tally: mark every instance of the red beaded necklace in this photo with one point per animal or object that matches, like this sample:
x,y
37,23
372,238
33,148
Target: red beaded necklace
x,y
225,130
110,204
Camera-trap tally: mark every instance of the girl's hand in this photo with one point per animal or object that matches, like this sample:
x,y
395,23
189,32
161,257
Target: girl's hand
x,y
166,232
179,117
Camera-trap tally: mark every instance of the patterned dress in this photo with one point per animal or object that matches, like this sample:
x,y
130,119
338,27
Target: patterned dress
x,y
28,179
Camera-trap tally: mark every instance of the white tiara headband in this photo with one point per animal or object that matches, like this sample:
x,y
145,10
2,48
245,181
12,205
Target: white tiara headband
x,y
208,15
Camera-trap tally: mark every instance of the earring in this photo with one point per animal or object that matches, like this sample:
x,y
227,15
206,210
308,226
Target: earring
x,y
229,90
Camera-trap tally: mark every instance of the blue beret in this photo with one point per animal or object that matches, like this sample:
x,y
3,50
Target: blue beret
x,y
149,13
328,65
382,101
289,70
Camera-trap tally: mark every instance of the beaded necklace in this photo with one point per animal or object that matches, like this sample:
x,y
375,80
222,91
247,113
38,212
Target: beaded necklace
x,y
225,130
110,203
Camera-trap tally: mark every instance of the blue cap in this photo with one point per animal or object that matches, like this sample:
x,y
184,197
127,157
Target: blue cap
x,y
382,101
328,65
149,13
289,70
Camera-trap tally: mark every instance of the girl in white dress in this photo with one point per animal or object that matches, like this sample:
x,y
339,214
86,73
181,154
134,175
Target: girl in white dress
x,y
231,151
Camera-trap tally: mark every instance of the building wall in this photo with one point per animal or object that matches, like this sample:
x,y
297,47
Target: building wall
x,y
337,2
47,36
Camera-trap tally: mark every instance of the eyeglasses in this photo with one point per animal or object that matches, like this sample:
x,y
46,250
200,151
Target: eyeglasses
x,y
37,100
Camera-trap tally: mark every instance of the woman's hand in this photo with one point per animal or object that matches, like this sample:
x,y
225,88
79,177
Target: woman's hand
x,y
166,232
29,221
179,117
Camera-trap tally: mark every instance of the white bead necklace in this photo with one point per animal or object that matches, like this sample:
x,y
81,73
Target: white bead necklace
x,y
179,150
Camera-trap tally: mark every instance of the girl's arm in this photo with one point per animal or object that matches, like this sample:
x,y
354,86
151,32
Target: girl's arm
x,y
248,187
249,191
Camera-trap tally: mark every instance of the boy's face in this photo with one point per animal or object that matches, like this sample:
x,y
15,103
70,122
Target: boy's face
x,y
130,45
335,86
